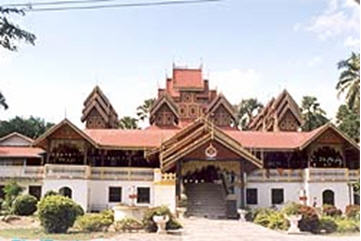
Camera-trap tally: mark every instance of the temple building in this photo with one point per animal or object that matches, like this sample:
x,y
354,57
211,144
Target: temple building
x,y
191,156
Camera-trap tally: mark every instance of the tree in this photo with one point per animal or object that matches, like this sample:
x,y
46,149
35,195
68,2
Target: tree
x,y
349,81
128,122
246,111
11,190
144,109
3,101
32,127
10,33
349,122
312,113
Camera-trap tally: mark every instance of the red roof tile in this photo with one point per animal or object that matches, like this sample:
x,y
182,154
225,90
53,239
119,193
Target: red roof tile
x,y
130,138
7,151
187,78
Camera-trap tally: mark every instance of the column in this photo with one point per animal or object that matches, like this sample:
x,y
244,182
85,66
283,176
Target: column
x,y
242,184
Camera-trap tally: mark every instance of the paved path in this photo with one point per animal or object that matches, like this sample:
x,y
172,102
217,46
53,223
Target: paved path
x,y
228,230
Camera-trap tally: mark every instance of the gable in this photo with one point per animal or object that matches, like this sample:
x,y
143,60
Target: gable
x,y
288,122
15,139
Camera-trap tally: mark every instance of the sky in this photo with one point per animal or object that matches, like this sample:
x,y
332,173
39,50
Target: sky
x,y
248,48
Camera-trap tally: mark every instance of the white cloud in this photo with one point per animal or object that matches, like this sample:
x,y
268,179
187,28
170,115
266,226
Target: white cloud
x,y
352,42
340,17
314,61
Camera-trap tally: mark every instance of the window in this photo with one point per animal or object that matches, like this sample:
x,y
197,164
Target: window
x,y
328,197
251,195
277,196
66,192
143,195
115,194
2,194
35,191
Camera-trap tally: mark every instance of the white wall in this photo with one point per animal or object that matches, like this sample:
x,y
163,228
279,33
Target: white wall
x,y
340,189
165,195
99,192
79,188
291,192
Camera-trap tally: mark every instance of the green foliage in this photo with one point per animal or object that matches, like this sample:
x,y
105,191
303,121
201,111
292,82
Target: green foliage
x,y
25,205
57,213
345,225
291,208
271,219
353,211
149,224
10,33
252,213
349,81
128,225
95,222
331,210
3,101
128,123
50,193
328,224
144,109
348,121
32,127
12,189
246,110
312,113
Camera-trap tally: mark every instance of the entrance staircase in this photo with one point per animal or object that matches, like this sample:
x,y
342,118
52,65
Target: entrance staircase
x,y
206,200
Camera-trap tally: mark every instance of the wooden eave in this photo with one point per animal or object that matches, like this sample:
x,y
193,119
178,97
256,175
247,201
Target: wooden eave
x,y
221,100
30,140
49,132
99,110
165,99
322,130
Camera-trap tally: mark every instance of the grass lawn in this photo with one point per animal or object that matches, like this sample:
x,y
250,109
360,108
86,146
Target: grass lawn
x,y
36,233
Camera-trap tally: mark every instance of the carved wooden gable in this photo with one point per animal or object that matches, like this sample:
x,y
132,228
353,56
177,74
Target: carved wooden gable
x,y
288,122
164,116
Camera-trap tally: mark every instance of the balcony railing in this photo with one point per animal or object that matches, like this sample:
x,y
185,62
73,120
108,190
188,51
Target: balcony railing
x,y
308,174
67,171
331,174
21,171
285,175
122,173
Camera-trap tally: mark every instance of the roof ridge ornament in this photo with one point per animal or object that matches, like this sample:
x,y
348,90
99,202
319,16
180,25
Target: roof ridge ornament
x,y
211,152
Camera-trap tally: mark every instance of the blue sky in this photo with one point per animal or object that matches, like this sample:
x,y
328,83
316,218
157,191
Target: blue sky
x,y
248,48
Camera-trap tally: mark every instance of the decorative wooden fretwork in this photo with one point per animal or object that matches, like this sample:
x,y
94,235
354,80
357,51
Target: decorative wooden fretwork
x,y
326,157
194,166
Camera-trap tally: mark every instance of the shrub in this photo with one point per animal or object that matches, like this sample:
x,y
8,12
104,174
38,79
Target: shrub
x,y
11,190
128,225
95,222
25,205
328,224
149,224
252,213
291,208
310,221
345,225
271,219
353,211
57,213
50,193
331,210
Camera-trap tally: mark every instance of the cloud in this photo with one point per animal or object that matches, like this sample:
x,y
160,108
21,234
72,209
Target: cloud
x,y
339,18
314,61
352,42
236,84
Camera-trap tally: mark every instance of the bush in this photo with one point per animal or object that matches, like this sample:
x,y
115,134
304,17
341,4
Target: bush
x,y
128,225
58,213
328,224
50,193
310,221
331,210
345,225
353,211
95,222
291,208
149,224
252,213
11,190
25,205
271,219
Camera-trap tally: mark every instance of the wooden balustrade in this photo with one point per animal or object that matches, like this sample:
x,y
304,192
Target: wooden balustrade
x,y
122,173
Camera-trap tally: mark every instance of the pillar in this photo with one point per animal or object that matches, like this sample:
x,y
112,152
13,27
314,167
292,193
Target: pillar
x,y
242,194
